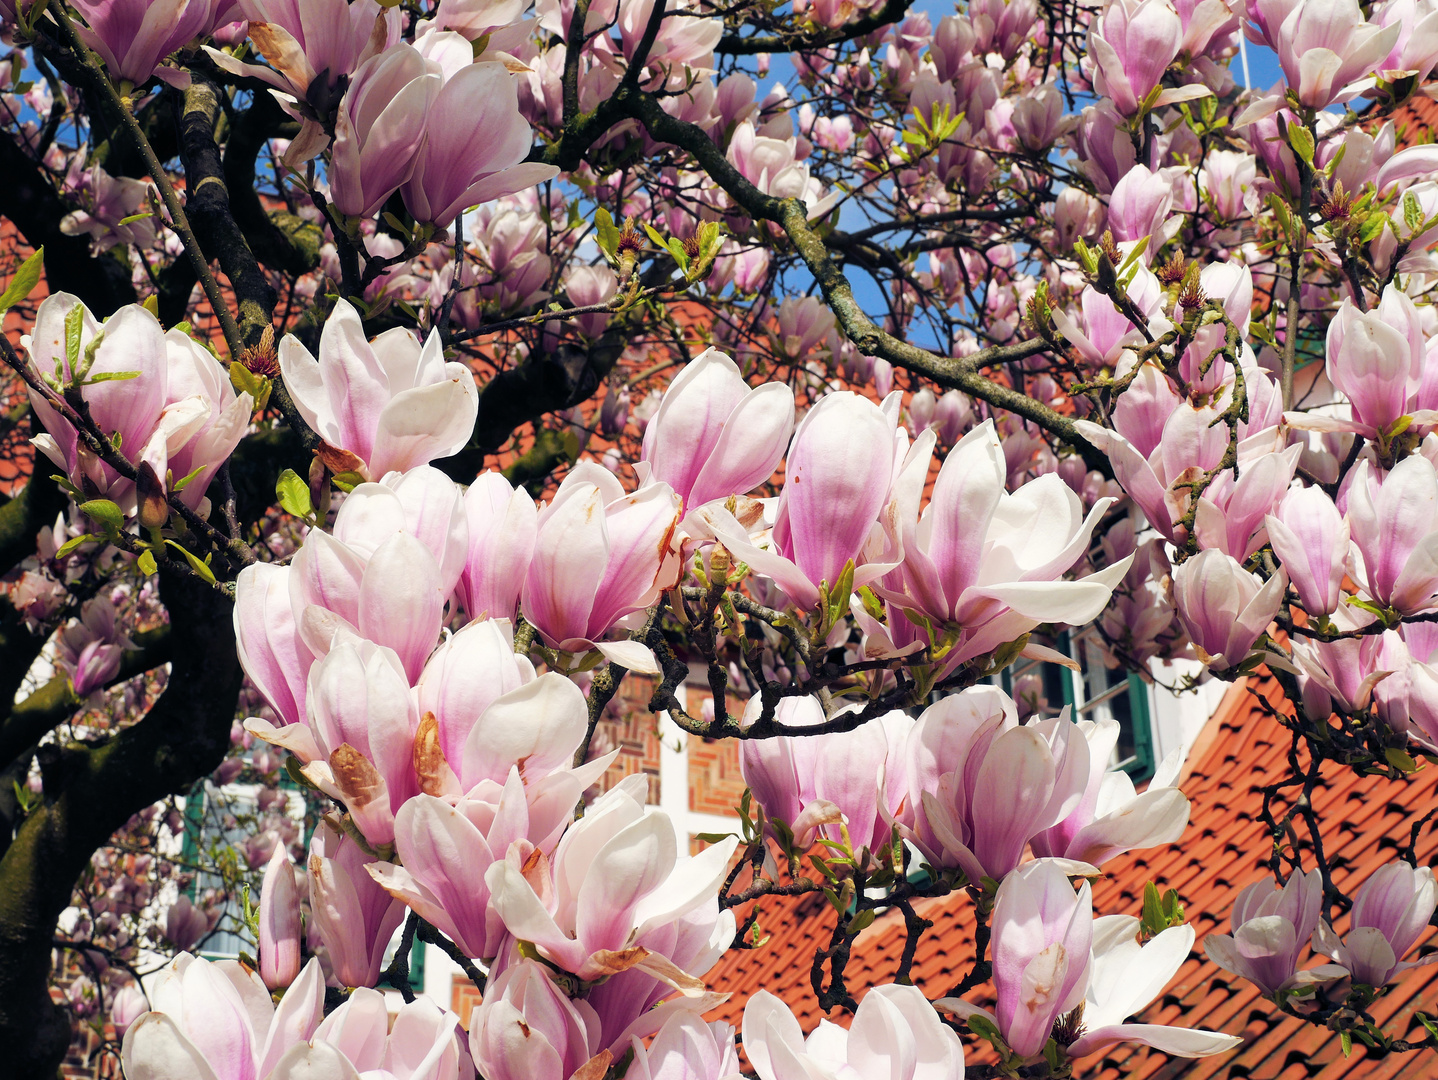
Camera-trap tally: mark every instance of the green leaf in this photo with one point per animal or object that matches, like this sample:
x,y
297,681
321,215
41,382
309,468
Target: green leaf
x,y
110,376
1401,760
74,321
1346,1038
133,218
294,494
347,481
74,542
712,837
24,281
202,569
861,921
606,233
179,485
1372,227
1301,139
104,512
1412,212
146,563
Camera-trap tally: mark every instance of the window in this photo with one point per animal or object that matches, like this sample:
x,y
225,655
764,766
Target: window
x,y
1094,692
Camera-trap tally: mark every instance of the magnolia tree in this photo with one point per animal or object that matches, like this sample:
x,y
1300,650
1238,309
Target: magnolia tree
x,y
408,375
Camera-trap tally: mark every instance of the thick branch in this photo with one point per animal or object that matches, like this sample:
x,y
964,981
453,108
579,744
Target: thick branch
x,y
90,790
208,200
808,40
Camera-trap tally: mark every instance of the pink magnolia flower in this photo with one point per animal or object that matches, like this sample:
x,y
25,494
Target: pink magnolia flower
x,y
984,566
186,924
686,1048
1141,205
215,1019
313,45
1124,977
127,1006
1310,538
474,148
390,402
981,785
133,36
446,849
272,652
377,134
1270,929
91,647
1324,45
615,875
197,421
279,941
1131,44
353,918
599,554
419,1042
853,777
586,286
1223,607
713,435
527,1028
1390,912
1112,817
468,673
1101,332
804,322
1042,937
895,1034
1395,532
1416,50
502,529
364,720
842,465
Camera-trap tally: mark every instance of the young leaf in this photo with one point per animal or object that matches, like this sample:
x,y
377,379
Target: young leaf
x,y
294,494
202,569
146,563
24,281
105,513
74,542
607,233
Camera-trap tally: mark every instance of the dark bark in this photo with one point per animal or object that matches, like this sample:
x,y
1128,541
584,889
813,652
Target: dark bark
x,y
207,205
91,790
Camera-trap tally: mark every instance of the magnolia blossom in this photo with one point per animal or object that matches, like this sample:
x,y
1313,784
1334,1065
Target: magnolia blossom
x,y
1390,912
600,554
1124,977
1270,929
279,939
615,874
133,36
686,1048
352,917
843,462
392,403
1112,817
1224,608
895,1034
1310,538
528,1029
1132,43
314,45
1041,939
850,781
713,436
1324,45
214,1019
468,673
981,785
1395,531
984,565
502,529
179,411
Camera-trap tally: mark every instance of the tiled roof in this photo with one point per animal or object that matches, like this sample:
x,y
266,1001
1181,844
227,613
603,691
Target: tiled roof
x,y
1415,121
1223,850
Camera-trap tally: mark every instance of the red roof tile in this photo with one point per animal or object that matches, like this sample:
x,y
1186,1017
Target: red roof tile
x,y
1224,849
